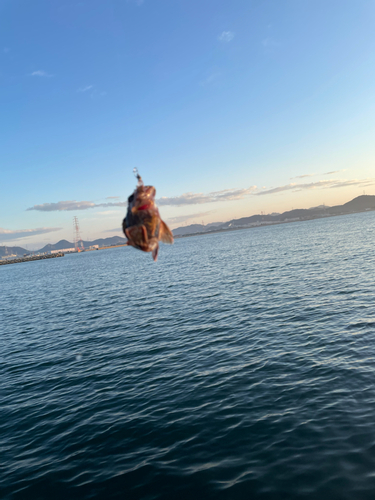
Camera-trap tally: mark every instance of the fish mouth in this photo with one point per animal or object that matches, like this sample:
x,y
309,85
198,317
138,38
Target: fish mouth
x,y
145,206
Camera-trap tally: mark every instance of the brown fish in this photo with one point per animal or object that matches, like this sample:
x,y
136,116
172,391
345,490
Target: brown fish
x,y
142,225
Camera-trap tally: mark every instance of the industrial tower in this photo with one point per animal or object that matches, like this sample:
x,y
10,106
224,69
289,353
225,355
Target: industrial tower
x,y
78,243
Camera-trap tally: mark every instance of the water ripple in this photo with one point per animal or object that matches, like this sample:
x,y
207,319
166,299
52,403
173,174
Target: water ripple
x,y
239,366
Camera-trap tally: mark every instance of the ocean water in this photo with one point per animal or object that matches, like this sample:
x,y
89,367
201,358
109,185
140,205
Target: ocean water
x,y
240,366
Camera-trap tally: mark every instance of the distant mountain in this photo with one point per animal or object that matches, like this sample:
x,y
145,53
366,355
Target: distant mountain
x,y
214,224
359,204
196,228
193,228
102,242
62,244
4,251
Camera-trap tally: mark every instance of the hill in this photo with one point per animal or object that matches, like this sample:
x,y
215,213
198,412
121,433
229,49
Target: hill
x,y
57,246
19,251
61,245
359,204
102,242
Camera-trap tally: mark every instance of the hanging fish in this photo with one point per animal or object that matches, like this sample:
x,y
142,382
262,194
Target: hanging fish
x,y
142,225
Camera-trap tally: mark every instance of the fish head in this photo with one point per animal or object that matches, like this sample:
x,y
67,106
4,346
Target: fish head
x,y
142,199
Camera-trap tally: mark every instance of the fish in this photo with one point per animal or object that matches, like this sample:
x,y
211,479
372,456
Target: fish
x,y
142,225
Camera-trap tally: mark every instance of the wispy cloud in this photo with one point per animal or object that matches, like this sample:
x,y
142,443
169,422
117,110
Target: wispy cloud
x,y
62,206
85,89
200,198
210,79
226,36
70,205
270,46
302,176
184,199
9,235
113,197
354,182
312,175
185,218
41,73
332,184
93,92
270,43
334,172
114,230
212,197
97,94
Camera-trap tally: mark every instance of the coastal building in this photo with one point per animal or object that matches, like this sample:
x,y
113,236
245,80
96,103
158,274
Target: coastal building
x,y
64,250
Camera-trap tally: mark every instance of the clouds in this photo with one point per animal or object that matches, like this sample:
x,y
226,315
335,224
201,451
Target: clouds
x,y
114,230
92,91
185,218
313,175
302,176
210,79
85,89
226,36
333,172
184,199
200,198
96,94
61,206
9,235
70,205
212,197
41,73
332,184
270,43
238,194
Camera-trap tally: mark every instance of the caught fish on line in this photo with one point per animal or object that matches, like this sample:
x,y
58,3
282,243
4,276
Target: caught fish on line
x,y
142,225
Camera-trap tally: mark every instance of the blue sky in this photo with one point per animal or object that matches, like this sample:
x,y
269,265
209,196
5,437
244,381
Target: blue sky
x,y
228,108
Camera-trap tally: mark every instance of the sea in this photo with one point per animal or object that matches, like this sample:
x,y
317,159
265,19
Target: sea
x,y
241,365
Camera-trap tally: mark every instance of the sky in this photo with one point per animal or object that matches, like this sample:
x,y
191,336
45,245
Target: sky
x,y
228,107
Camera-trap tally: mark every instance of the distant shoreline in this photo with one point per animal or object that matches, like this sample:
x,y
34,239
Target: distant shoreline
x,y
360,204
31,258
267,224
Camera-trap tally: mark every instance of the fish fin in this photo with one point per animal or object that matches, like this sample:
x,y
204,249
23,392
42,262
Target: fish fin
x,y
145,236
128,235
165,234
137,235
155,253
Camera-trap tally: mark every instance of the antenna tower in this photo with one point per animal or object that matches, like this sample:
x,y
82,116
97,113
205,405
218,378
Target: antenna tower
x,y
78,243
